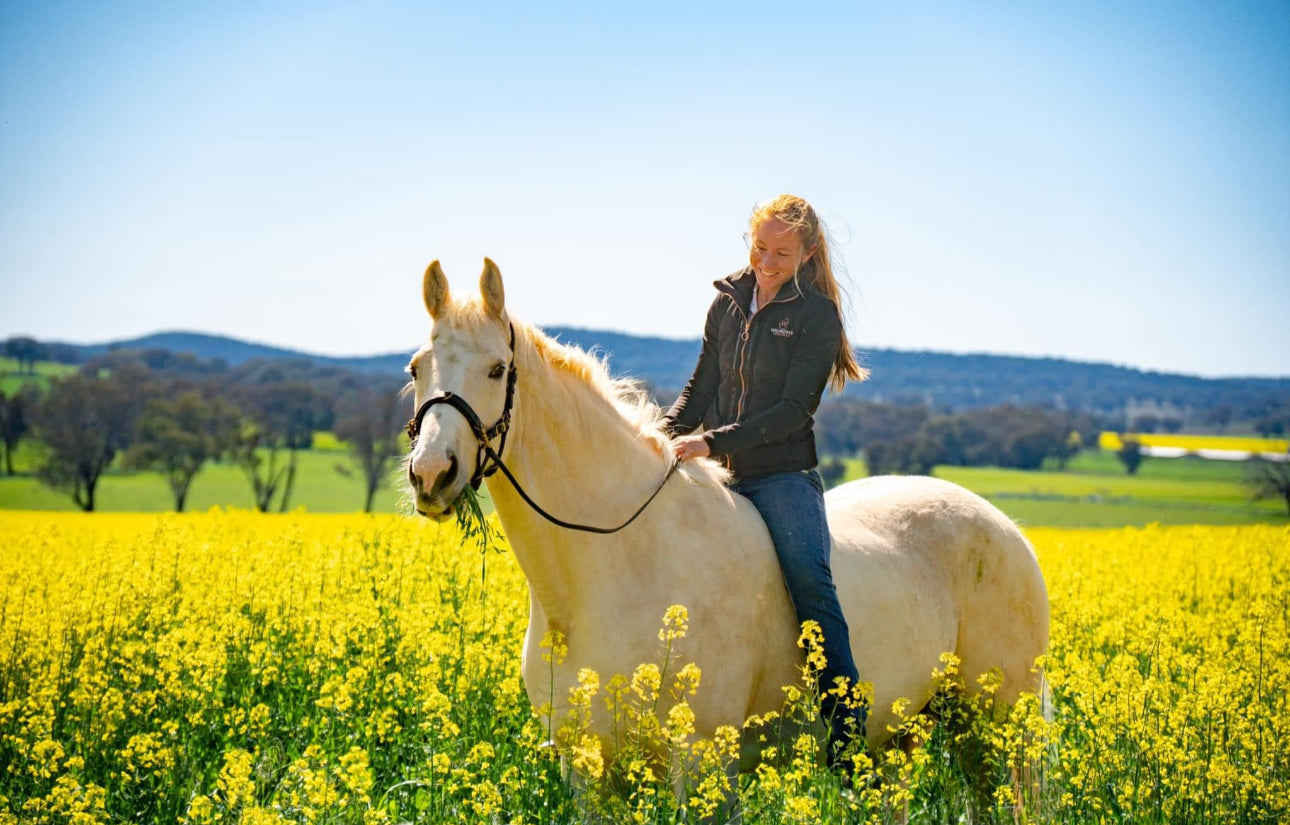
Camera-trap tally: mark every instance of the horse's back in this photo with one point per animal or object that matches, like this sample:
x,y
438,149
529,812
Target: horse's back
x,y
924,567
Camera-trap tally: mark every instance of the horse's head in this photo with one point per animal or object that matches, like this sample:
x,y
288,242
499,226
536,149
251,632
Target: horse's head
x,y
465,360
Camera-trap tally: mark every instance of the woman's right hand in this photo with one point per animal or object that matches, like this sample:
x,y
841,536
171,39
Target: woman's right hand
x,y
690,446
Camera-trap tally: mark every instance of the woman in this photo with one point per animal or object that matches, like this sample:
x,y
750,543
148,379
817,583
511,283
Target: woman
x,y
774,338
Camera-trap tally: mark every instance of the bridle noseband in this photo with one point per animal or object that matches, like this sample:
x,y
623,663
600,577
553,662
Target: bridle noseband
x,y
489,461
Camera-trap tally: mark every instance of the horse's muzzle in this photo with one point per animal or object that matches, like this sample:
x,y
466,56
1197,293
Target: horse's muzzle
x,y
437,502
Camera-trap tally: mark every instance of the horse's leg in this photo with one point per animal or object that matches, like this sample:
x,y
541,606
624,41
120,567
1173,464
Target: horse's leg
x,y
698,799
728,812
913,738
584,795
1028,779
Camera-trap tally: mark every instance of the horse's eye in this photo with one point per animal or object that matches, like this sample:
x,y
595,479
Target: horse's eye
x,y
412,370
497,371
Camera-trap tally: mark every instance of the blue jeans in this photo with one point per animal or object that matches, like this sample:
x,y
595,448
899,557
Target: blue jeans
x,y
792,505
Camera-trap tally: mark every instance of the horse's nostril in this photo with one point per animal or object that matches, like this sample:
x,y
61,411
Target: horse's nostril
x,y
445,478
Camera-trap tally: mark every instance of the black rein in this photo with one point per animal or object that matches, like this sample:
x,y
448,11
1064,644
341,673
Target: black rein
x,y
489,461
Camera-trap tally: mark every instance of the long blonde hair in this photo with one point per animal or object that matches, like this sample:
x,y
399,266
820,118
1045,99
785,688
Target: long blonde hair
x,y
798,215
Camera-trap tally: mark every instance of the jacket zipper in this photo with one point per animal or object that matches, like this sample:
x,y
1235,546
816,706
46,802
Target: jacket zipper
x,y
739,368
742,358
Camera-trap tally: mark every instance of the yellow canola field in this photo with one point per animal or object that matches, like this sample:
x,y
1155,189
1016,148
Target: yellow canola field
x,y
238,667
1192,443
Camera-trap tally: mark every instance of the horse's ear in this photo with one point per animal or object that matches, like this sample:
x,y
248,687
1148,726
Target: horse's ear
x,y
434,289
490,286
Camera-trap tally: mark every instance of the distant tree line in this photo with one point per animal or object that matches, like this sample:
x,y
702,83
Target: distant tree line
x,y
173,414
897,438
27,351
1131,399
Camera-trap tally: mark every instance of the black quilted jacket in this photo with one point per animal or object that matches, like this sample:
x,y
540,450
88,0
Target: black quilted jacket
x,y
759,380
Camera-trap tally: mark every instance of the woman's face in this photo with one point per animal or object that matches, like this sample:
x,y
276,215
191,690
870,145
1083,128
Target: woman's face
x,y
775,252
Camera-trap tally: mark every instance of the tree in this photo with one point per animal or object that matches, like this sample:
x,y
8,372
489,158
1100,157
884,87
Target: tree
x,y
177,436
1220,416
915,454
26,351
1145,423
832,471
282,417
1274,423
1027,448
370,420
845,426
1130,453
1271,479
15,420
1069,449
84,421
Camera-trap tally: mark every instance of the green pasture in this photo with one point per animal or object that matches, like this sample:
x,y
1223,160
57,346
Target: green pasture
x,y
327,481
1095,491
11,379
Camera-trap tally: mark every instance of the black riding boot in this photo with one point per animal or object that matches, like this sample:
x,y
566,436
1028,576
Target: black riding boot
x,y
846,731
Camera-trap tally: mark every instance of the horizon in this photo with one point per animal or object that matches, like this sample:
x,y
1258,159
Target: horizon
x,y
693,339
1096,184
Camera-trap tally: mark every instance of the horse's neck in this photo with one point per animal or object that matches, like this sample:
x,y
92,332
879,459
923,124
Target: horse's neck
x,y
575,456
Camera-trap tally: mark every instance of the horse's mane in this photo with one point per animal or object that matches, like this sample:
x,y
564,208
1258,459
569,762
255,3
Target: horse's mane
x,y
627,396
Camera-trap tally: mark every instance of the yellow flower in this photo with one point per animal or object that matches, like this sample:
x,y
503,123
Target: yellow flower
x,y
200,811
234,783
46,758
580,695
356,773
587,758
680,723
645,682
687,680
553,643
802,809
812,641
260,816
485,800
675,624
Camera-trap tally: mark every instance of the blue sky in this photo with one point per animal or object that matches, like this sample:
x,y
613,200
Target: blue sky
x,y
1094,181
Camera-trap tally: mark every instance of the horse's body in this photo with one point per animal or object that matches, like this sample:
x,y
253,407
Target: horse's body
x,y
922,566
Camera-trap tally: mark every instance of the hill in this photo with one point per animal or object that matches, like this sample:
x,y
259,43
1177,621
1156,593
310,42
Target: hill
x,y
937,379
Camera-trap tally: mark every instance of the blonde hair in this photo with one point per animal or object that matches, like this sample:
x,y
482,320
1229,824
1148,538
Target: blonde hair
x,y
800,217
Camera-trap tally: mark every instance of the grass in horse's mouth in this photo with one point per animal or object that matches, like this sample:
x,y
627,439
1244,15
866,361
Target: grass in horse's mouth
x,y
472,522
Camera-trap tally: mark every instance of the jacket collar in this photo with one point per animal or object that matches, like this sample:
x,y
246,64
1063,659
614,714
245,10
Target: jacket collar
x,y
740,285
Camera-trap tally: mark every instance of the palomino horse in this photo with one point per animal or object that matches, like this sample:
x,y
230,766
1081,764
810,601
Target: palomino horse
x,y
922,566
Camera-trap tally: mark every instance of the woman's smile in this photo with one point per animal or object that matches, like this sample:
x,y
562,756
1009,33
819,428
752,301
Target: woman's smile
x,y
775,253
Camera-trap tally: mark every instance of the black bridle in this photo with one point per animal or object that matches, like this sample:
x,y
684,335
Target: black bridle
x,y
489,461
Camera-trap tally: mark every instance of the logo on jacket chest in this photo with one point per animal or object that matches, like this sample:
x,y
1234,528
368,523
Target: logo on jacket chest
x,y
782,329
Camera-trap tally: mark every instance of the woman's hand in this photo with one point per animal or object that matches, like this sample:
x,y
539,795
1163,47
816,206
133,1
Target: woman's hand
x,y
690,446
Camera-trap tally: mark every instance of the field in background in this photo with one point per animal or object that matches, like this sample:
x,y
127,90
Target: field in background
x,y
11,380
237,667
1200,444
319,487
1093,491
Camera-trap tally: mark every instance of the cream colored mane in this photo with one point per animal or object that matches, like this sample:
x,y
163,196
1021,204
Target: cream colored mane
x,y
626,396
